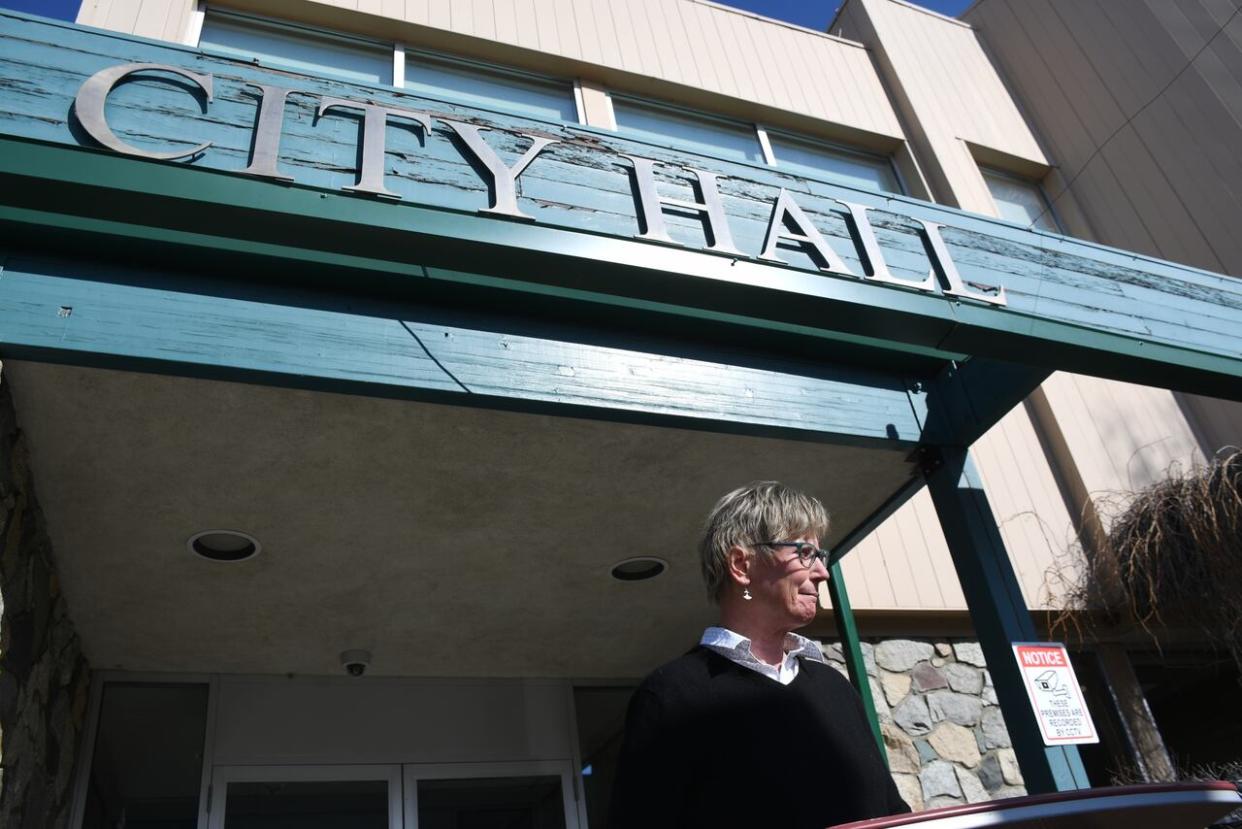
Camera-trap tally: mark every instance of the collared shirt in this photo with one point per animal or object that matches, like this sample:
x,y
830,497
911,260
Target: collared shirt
x,y
736,648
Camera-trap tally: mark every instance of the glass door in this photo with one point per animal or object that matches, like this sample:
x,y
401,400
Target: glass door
x,y
528,795
306,797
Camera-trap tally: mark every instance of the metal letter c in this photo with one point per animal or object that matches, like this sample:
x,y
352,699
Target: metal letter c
x,y
89,106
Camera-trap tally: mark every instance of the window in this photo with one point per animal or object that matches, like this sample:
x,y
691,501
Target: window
x,y
146,766
736,141
288,46
801,156
692,131
534,794
1020,201
490,87
324,797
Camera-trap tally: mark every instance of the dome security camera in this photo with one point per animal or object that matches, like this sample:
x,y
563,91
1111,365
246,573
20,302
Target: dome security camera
x,y
355,662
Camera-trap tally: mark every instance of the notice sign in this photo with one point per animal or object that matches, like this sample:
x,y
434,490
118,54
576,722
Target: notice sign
x,y
1055,695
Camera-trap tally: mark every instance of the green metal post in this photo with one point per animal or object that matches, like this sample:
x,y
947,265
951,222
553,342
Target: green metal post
x,y
999,612
851,648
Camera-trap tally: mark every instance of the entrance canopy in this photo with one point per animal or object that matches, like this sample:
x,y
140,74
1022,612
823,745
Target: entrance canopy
x,y
224,285
456,364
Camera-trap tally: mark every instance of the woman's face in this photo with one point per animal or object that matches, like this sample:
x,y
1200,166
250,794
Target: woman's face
x,y
783,588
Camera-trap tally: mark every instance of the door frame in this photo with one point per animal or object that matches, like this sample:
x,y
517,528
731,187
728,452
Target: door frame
x,y
223,775
413,772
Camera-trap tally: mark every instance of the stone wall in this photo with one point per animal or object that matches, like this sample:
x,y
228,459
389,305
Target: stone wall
x,y
947,742
44,679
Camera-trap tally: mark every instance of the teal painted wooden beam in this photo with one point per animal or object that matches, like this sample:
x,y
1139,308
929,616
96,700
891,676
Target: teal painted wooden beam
x,y
304,224
1072,304
999,613
74,312
851,648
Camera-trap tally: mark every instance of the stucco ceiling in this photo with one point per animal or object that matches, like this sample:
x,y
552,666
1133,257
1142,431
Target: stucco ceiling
x,y
449,541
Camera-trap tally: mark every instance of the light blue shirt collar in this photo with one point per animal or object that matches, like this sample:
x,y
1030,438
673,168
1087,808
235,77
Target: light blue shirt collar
x,y
736,648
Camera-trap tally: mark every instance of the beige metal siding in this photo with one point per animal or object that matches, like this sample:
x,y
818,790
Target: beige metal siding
x,y
906,565
1123,437
689,51
158,19
1140,104
948,92
1143,73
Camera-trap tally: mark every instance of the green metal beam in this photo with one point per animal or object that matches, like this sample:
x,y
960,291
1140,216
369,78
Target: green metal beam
x,y
851,648
998,610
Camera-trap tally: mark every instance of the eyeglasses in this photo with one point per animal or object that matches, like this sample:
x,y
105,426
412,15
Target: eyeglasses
x,y
807,552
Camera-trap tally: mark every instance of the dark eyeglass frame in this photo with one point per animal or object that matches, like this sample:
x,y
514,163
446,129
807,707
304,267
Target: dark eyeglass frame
x,y
807,552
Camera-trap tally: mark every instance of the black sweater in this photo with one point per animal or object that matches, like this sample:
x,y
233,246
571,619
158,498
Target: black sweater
x,y
709,743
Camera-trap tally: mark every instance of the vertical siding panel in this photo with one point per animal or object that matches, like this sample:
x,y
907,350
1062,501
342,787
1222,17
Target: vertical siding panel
x,y
1219,420
588,36
178,23
606,35
527,23
375,7
655,61
1200,163
393,9
661,43
765,41
685,44
567,29
1100,184
722,66
417,11
792,46
853,567
507,30
833,73
627,40
727,27
918,562
702,49
915,569
461,16
91,12
484,18
754,49
545,22
811,60
937,549
871,99
896,566
152,17
123,15
439,14
876,569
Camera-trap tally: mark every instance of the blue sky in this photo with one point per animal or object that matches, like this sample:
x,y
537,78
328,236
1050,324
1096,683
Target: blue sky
x,y
814,14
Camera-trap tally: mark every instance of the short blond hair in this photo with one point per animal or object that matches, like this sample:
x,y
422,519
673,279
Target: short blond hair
x,y
759,511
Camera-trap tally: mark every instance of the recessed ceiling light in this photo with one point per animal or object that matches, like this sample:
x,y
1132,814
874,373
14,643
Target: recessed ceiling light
x,y
224,545
639,568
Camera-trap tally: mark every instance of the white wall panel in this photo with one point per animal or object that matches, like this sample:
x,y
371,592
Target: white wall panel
x,y
274,720
682,50
945,84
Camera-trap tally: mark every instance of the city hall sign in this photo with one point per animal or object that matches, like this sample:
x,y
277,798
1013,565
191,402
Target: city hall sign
x,y
788,224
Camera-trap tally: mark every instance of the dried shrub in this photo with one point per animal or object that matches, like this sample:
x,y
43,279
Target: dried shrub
x,y
1229,771
1173,557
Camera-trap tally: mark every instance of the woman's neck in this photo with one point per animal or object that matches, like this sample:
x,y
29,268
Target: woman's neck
x,y
766,643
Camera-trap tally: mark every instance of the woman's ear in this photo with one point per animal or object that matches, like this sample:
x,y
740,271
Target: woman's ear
x,y
739,560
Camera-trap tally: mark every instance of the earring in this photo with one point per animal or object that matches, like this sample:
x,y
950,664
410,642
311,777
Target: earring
x,y
746,594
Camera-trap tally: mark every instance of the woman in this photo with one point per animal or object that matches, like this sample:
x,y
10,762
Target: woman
x,y
751,728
